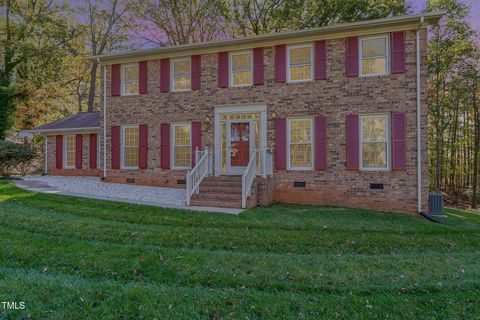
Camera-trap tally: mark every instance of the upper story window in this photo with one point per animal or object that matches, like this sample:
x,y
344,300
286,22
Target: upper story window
x,y
300,144
374,55
182,146
375,142
130,144
129,79
181,74
241,68
69,143
299,63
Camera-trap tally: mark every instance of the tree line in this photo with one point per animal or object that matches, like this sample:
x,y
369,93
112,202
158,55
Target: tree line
x,y
44,76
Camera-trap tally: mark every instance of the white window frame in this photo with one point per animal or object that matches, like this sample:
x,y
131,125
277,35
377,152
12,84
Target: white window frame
x,y
230,68
289,167
172,73
65,166
387,56
172,145
123,78
312,62
388,138
122,151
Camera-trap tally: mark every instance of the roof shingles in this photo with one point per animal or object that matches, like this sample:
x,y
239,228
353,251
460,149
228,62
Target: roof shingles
x,y
81,120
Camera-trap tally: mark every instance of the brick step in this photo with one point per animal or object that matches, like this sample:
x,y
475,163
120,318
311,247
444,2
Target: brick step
x,y
221,189
224,179
218,196
218,204
212,183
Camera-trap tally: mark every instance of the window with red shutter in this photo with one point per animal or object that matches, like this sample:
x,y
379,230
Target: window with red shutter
x,y
115,80
165,75
351,56
258,66
196,72
398,52
320,60
93,149
399,150
143,77
59,151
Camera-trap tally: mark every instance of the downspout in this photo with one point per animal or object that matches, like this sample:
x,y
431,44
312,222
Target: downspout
x,y
419,129
104,118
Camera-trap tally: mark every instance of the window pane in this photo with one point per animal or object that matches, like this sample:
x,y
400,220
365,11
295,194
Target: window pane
x,y
130,147
300,72
374,47
131,87
181,67
130,73
300,55
242,78
374,129
182,156
241,61
182,135
374,155
300,155
70,151
374,66
182,83
300,131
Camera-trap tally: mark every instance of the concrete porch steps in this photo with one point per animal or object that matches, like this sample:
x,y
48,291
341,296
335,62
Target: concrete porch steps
x,y
223,191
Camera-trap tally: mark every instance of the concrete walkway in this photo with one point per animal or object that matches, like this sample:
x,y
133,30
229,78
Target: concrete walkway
x,y
93,187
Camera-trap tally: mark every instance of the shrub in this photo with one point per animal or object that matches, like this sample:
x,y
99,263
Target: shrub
x,y
15,157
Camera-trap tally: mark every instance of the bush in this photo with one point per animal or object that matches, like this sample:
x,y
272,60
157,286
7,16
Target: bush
x,y
15,157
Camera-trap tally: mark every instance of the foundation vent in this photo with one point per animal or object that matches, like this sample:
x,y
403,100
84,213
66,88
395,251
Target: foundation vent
x,y
299,184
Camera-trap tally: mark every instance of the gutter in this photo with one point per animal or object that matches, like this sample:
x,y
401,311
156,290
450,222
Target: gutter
x,y
104,117
41,131
419,128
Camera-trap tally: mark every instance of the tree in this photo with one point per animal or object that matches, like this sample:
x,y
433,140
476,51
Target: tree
x,y
180,21
107,25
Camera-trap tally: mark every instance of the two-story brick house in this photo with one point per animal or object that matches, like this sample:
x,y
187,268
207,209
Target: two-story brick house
x,y
334,115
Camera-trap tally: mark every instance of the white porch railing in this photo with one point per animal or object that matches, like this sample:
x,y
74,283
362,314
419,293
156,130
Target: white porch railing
x,y
203,168
248,177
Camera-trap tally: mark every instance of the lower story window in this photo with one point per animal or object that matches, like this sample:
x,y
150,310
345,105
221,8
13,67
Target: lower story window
x,y
300,144
69,147
130,147
182,146
374,142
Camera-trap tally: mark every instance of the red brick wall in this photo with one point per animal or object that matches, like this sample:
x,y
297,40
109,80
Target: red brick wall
x,y
335,98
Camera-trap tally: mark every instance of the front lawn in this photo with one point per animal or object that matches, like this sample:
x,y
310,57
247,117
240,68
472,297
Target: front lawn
x,y
76,258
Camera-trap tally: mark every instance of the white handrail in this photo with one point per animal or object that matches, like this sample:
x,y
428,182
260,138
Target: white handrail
x,y
248,177
201,170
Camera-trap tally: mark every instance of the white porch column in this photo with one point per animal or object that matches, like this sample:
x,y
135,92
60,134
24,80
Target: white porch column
x,y
218,145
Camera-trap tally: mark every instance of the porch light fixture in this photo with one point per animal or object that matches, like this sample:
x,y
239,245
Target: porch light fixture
x,y
274,115
207,121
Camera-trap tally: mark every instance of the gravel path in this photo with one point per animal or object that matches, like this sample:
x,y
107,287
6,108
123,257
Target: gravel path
x,y
92,186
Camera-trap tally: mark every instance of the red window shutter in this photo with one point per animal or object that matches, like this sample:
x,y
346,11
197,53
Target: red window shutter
x,y
280,63
115,147
143,77
78,151
258,72
352,142
93,150
115,81
351,56
281,144
165,75
320,143
398,51
399,150
165,146
196,138
320,60
196,72
59,152
143,146
223,69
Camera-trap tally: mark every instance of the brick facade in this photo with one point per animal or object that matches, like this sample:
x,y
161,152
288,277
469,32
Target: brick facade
x,y
334,98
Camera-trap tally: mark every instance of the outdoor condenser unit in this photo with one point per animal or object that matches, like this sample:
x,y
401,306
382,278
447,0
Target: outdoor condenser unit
x,y
435,203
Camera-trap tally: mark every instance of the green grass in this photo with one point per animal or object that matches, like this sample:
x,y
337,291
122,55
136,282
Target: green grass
x,y
76,258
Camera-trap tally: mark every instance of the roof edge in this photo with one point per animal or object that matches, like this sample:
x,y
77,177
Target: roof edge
x,y
416,19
